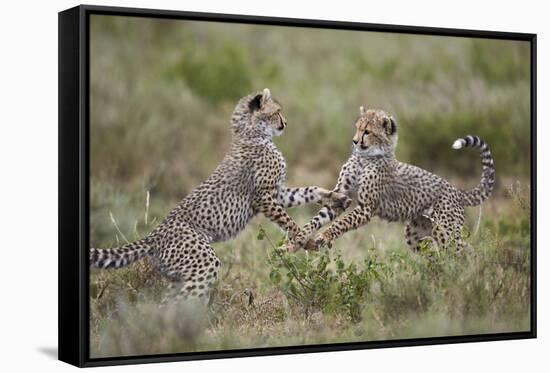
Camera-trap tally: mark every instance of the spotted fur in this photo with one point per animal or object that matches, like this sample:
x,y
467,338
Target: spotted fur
x,y
249,180
396,191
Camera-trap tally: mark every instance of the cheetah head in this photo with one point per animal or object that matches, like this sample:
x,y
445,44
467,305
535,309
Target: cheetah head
x,y
259,116
375,133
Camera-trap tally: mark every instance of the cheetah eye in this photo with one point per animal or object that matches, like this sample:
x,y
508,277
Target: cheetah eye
x,y
366,133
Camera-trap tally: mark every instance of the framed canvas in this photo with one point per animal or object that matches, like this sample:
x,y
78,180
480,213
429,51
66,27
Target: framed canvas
x,y
235,186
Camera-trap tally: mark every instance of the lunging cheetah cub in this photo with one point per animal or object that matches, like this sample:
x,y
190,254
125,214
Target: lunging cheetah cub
x,y
397,191
249,180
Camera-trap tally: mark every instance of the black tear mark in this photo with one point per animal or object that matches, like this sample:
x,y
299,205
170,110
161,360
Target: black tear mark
x,y
393,126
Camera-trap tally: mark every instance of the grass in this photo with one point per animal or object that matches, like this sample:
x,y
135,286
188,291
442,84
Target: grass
x,y
369,287
162,92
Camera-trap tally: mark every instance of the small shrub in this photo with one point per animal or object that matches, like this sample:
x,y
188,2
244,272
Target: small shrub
x,y
323,281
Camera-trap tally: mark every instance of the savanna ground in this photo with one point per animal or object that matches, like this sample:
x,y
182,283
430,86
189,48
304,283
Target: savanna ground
x,y
161,97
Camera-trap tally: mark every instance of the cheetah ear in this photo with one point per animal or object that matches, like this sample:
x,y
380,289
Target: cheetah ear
x,y
266,95
362,110
392,126
255,103
259,100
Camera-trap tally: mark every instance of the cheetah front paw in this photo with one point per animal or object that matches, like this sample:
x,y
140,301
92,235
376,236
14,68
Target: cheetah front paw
x,y
318,242
311,245
297,242
292,247
337,201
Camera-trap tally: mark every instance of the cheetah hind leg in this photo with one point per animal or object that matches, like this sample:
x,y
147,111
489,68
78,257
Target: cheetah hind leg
x,y
416,231
448,224
193,270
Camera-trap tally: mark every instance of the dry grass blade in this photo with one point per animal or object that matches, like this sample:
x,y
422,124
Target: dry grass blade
x,y
113,220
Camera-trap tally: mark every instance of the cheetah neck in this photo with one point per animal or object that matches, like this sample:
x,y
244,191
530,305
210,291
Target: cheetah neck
x,y
254,140
244,133
365,158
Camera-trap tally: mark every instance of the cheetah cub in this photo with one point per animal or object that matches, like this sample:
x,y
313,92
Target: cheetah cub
x,y
249,180
396,191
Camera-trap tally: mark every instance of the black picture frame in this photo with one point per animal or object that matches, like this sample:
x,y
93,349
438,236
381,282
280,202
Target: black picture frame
x,y
74,183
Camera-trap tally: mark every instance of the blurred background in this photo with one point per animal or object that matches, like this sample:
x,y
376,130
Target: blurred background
x,y
162,93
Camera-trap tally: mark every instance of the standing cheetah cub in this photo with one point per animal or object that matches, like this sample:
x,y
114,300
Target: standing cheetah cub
x,y
396,191
249,180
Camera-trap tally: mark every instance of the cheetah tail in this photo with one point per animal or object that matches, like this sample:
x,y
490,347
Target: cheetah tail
x,y
483,190
117,257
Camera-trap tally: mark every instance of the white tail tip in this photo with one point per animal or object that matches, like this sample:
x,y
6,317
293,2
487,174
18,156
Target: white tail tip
x,y
458,144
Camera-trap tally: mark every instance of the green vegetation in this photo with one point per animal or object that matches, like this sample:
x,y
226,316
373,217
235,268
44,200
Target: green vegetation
x,y
310,282
162,93
369,286
216,75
